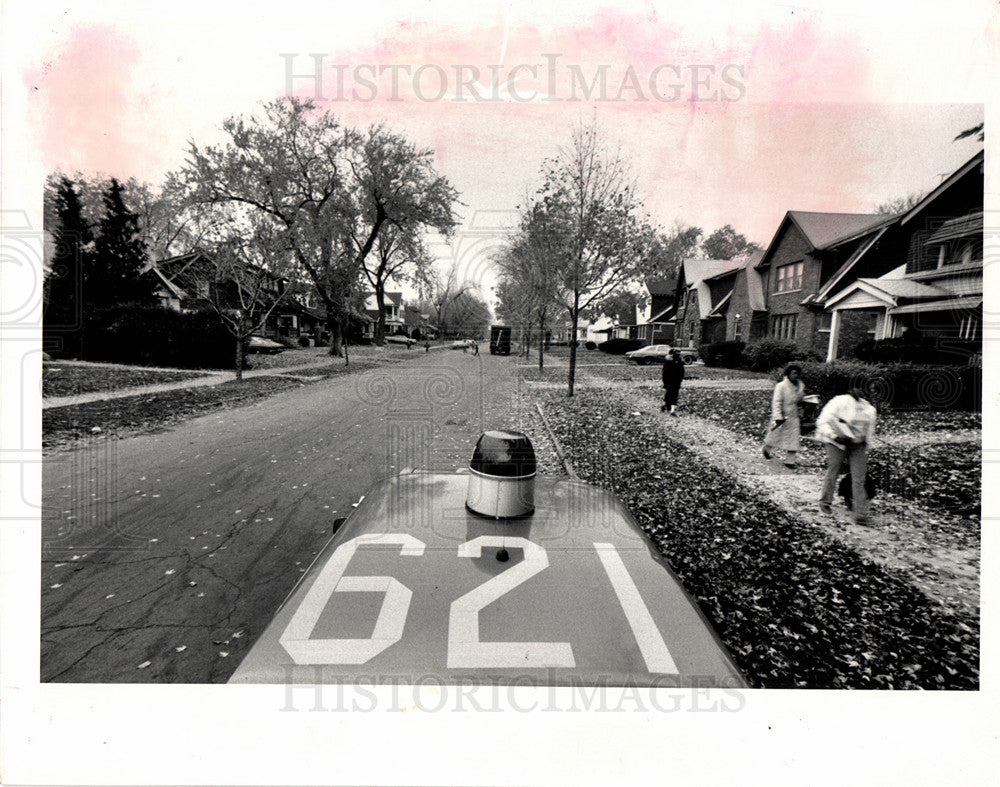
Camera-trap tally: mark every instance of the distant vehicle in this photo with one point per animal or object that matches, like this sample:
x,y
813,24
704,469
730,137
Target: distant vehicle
x,y
401,340
490,575
657,353
463,344
500,340
263,345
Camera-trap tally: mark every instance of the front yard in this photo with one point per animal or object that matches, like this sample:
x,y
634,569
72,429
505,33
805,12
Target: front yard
x,y
800,599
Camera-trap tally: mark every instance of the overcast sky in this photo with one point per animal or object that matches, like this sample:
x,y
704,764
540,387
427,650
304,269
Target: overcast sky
x,y
730,114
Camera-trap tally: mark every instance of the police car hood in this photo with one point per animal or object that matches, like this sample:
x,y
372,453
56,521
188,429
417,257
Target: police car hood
x,y
414,586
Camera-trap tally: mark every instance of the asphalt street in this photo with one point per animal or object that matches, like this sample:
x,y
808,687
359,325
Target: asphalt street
x,y
165,555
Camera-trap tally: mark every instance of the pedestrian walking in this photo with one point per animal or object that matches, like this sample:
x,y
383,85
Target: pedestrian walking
x,y
476,345
673,374
427,347
785,431
847,425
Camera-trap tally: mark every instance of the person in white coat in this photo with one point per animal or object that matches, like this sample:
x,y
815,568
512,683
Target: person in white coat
x,y
785,430
847,426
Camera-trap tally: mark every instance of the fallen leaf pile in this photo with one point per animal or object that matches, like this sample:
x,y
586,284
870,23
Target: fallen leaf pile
x,y
794,607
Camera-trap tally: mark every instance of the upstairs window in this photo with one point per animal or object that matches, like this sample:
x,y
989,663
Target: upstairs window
x,y
788,277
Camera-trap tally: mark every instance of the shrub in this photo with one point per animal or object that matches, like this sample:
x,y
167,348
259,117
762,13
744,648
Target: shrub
x,y
898,385
156,336
728,354
906,350
768,354
304,341
620,346
591,345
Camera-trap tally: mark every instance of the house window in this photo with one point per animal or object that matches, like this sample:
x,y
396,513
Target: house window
x,y
783,326
201,288
789,277
825,322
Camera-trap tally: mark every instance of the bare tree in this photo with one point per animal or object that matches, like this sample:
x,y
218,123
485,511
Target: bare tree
x,y
246,287
590,209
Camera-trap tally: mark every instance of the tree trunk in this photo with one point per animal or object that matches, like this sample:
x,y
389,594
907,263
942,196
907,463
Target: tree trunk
x,y
336,339
541,343
574,320
239,358
379,338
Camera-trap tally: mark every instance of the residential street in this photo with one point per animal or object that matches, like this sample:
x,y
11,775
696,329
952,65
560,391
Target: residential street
x,y
166,554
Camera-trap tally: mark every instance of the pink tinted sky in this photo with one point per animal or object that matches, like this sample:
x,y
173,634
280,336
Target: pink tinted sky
x,y
813,127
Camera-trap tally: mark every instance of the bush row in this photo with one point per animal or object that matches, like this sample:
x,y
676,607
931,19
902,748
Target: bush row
x,y
762,356
620,346
897,385
149,336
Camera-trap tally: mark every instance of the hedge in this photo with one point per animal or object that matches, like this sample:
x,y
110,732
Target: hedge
x,y
620,346
157,336
897,385
728,354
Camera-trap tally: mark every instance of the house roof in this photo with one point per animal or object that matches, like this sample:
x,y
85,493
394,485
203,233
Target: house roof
x,y
664,316
889,290
172,288
962,227
697,270
948,304
717,309
824,230
946,184
849,263
661,285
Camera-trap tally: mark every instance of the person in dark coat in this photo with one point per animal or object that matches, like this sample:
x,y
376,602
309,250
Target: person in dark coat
x,y
673,374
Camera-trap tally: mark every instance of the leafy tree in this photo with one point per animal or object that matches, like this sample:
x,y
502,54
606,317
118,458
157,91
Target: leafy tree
x,y
529,277
588,203
399,255
726,244
115,276
73,247
329,189
669,249
468,315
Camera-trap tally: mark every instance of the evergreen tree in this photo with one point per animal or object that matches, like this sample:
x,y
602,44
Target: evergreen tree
x,y
119,256
72,255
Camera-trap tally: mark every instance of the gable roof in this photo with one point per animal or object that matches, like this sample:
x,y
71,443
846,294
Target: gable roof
x,y
889,290
945,185
697,271
827,230
824,230
661,285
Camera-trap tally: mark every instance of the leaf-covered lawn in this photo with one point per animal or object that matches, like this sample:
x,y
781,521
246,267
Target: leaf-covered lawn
x,y
60,379
939,474
63,426
794,607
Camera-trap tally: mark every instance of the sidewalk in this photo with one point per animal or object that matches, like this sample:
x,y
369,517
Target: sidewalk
x,y
213,378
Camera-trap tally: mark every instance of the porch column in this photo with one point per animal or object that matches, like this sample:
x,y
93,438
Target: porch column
x,y
831,350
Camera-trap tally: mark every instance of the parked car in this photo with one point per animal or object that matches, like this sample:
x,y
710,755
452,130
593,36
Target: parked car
x,y
513,579
405,340
261,344
657,353
462,344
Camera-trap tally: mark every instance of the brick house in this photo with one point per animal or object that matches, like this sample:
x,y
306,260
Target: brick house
x,y
657,327
696,287
806,253
924,278
738,311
